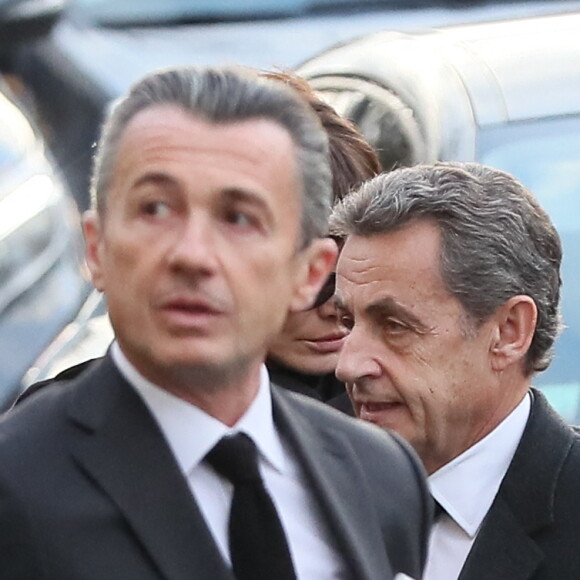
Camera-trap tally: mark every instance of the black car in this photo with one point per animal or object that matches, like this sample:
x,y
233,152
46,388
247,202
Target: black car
x,y
100,47
41,281
504,94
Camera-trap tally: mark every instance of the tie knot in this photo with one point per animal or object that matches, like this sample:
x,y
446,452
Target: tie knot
x,y
235,457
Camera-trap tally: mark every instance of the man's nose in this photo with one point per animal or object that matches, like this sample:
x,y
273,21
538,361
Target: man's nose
x,y
358,357
194,246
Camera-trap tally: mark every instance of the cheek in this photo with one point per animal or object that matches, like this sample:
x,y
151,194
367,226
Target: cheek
x,y
426,380
448,385
263,292
349,389
276,276
129,268
121,261
297,324
441,357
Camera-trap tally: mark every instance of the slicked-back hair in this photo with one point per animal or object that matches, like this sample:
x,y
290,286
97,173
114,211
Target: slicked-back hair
x,y
224,95
496,240
352,158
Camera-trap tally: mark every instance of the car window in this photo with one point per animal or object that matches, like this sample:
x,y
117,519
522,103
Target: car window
x,y
544,156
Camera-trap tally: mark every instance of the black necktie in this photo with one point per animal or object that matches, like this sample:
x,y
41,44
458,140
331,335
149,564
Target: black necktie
x,y
258,547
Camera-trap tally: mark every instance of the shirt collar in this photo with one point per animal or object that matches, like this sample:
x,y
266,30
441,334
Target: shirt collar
x,y
467,486
191,433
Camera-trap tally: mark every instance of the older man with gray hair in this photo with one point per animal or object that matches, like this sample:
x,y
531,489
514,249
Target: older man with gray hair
x,y
173,457
449,281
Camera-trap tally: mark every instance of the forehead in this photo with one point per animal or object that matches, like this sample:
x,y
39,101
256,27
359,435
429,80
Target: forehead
x,y
197,132
166,136
403,264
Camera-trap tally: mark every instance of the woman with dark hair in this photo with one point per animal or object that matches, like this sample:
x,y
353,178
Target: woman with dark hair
x,y
303,356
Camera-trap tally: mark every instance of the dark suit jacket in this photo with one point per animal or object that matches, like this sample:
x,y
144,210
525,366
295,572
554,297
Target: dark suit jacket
x,y
532,530
89,489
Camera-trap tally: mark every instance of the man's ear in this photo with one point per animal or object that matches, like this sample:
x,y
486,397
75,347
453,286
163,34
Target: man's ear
x,y
516,324
92,229
316,263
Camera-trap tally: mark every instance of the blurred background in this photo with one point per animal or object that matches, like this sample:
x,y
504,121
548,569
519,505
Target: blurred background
x,y
496,82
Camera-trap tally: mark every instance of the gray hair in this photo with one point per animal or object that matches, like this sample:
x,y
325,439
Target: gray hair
x,y
227,95
497,242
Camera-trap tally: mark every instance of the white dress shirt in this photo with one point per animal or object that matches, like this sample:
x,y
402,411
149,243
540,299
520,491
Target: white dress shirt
x,y
191,433
466,488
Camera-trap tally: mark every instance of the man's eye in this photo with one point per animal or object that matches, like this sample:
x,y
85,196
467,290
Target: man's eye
x,y
155,209
240,218
394,326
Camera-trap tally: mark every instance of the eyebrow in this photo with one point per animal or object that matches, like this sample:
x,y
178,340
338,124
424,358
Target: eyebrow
x,y
156,177
228,193
245,195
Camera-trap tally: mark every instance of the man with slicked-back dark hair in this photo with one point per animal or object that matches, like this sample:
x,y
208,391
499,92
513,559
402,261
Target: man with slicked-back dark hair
x,y
174,457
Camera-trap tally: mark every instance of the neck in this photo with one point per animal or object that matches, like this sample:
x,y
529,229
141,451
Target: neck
x,y
224,393
227,406
226,400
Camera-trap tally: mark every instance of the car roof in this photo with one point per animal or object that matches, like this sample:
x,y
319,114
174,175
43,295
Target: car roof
x,y
510,70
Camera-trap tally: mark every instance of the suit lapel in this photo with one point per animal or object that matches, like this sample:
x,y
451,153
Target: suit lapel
x,y
337,487
505,548
124,453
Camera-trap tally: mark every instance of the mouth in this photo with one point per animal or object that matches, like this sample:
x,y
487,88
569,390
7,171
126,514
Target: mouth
x,y
377,412
186,312
327,344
